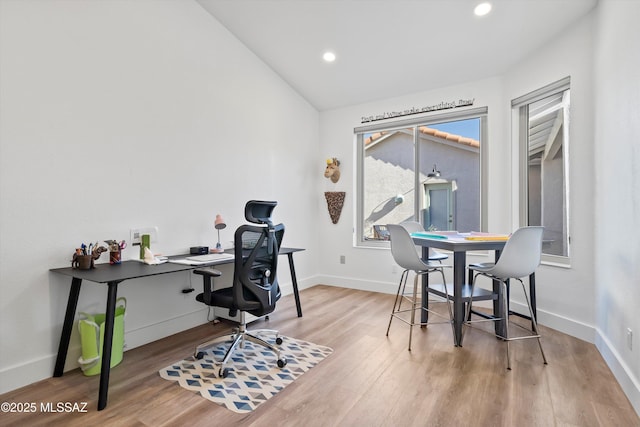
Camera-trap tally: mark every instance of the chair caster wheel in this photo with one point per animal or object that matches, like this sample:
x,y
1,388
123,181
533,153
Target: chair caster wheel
x,y
199,355
278,340
282,363
223,372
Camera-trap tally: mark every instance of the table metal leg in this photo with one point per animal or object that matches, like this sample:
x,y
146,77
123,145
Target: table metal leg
x,y
63,347
499,304
459,264
498,308
107,344
532,299
294,280
424,314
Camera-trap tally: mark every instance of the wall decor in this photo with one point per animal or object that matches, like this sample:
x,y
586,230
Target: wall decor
x,y
444,105
332,171
335,201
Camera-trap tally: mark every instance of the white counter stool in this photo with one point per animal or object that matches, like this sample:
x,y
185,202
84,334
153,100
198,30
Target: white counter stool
x,y
519,258
405,255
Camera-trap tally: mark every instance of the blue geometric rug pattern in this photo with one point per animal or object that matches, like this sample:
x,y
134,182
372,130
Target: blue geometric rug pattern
x,y
254,376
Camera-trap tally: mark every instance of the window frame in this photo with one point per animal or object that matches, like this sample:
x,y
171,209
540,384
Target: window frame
x,y
480,113
520,161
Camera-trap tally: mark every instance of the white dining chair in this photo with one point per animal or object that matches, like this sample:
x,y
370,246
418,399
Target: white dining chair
x,y
406,256
416,227
519,258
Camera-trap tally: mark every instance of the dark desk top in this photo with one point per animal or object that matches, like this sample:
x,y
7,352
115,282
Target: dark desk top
x,y
287,251
104,273
132,269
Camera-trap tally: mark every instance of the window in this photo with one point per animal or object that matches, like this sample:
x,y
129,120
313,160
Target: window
x,y
426,169
542,122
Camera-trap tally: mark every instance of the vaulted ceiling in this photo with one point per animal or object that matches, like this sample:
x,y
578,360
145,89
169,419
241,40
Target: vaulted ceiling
x,y
389,48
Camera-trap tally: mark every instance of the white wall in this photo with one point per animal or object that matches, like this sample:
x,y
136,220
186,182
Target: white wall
x,y
617,201
367,268
566,297
126,114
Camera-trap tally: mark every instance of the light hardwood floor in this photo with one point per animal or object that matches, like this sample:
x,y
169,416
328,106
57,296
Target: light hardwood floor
x,y
369,380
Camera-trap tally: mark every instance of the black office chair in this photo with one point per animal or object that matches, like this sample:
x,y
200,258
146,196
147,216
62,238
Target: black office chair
x,y
255,286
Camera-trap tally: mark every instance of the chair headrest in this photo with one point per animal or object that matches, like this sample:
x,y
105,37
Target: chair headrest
x,y
259,211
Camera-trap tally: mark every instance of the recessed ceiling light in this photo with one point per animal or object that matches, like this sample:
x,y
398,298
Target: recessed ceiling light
x,y
329,56
482,9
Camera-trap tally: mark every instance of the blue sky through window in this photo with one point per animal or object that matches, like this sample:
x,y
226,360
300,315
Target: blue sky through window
x,y
469,128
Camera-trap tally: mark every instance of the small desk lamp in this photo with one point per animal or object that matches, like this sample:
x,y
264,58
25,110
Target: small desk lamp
x,y
219,225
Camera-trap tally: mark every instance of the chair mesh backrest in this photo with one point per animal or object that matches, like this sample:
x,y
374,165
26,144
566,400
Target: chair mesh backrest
x,y
259,212
256,250
521,254
403,249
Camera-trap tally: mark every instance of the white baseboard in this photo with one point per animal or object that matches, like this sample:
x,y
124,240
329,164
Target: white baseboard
x,y
34,370
41,368
560,323
26,373
629,383
362,285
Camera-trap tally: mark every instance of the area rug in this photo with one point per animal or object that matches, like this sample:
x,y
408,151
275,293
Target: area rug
x,y
254,376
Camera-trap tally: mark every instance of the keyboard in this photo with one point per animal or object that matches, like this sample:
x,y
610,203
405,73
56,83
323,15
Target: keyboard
x,y
210,257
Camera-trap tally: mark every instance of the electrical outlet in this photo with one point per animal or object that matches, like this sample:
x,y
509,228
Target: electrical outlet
x,y
136,233
343,259
630,338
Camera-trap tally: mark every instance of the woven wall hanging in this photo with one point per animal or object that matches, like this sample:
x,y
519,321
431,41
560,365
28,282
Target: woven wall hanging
x,y
335,201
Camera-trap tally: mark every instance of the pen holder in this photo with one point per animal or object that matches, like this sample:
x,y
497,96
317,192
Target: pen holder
x,y
115,257
81,262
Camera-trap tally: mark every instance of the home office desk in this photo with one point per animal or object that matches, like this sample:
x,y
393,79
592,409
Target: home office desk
x,y
112,275
460,246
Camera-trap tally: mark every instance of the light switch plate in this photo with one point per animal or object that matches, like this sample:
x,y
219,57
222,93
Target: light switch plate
x,y
136,233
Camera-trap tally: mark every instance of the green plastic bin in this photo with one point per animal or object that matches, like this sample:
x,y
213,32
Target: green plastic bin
x,y
91,328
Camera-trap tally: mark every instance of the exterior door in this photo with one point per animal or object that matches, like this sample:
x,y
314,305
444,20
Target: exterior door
x,y
439,206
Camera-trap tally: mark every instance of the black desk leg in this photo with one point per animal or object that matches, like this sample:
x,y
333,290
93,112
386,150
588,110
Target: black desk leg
x,y
63,347
107,345
294,280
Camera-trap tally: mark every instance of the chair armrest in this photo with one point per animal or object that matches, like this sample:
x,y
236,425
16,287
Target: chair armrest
x,y
207,281
208,272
